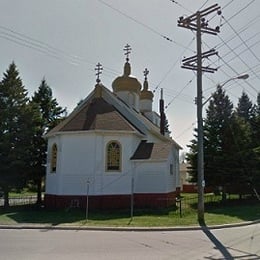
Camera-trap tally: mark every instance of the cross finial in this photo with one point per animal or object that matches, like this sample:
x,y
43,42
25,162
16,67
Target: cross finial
x,y
146,72
127,50
98,70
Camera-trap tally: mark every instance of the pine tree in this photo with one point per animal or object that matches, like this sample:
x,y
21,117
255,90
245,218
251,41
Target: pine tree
x,y
256,124
192,159
247,116
256,141
231,144
217,138
245,108
14,131
47,114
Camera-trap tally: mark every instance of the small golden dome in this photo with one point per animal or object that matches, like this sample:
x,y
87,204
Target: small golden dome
x,y
145,93
126,82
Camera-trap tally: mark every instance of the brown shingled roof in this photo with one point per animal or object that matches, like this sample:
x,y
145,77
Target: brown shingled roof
x,y
98,115
152,151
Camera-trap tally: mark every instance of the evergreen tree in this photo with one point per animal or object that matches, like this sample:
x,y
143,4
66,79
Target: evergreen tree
x,y
217,138
245,108
50,110
242,161
256,124
47,114
14,131
256,141
231,143
217,135
192,160
247,117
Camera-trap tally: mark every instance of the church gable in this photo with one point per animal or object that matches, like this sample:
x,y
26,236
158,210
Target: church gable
x,y
98,115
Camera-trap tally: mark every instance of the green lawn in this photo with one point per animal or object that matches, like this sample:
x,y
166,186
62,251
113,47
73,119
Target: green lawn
x,y
215,213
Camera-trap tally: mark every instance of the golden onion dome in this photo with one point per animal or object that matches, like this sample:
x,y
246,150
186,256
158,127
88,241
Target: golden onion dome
x,y
145,93
126,82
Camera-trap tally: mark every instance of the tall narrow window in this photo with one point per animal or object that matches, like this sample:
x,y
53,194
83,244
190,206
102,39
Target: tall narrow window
x,y
53,158
113,155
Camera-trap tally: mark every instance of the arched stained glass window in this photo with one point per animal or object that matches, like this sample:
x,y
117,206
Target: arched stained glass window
x,y
54,158
113,155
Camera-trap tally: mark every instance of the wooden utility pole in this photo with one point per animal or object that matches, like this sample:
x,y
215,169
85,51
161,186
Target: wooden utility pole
x,y
198,23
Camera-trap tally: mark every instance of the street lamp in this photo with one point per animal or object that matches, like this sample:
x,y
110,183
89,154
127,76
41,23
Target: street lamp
x,y
201,181
243,76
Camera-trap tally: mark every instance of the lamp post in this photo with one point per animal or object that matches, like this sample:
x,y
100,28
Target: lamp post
x,y
201,181
88,182
243,76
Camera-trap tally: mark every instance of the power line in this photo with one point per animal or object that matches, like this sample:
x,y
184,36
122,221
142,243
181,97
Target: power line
x,y
250,50
242,29
204,4
246,49
237,55
177,3
174,64
53,52
229,76
223,43
188,83
136,21
45,48
141,23
37,43
225,6
241,10
232,50
29,46
186,130
238,74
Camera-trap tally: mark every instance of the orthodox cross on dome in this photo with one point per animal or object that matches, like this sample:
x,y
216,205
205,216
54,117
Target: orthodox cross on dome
x,y
98,70
146,72
127,50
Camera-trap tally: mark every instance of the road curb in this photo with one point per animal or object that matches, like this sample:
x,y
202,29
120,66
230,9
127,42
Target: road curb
x,y
132,229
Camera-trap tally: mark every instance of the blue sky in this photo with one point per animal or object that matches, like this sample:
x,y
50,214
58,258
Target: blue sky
x,y
63,40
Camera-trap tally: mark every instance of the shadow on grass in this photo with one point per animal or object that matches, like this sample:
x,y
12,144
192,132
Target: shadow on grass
x,y
247,210
102,215
32,214
35,215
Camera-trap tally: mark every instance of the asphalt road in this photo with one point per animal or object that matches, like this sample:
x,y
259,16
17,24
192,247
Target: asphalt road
x,y
228,243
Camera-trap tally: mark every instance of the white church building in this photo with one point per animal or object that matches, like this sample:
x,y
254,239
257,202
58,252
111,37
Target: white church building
x,y
113,149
